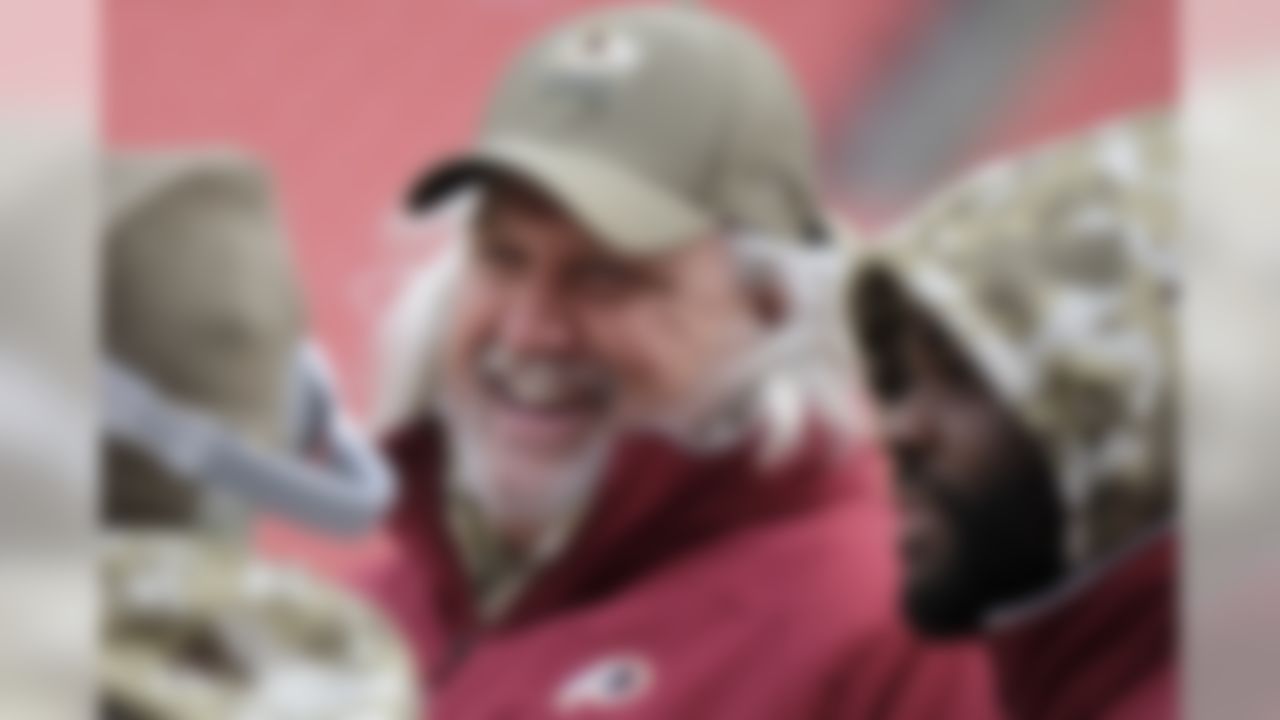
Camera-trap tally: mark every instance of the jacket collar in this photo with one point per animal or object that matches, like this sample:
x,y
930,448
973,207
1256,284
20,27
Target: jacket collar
x,y
1076,649
656,502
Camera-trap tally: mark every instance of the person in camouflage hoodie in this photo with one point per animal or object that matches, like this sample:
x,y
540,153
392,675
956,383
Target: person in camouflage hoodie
x,y
1019,334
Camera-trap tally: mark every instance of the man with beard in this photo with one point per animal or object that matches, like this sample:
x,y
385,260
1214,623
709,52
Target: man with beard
x,y
633,487
1019,337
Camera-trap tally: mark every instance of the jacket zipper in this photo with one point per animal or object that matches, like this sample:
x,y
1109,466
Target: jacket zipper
x,y
460,649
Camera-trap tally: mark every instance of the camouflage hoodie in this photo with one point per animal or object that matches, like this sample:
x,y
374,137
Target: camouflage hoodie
x,y
1056,274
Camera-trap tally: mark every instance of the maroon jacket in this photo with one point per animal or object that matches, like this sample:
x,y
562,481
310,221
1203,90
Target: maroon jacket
x,y
697,590
1108,653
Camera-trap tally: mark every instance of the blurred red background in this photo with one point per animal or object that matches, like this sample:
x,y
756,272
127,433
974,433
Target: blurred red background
x,y
345,99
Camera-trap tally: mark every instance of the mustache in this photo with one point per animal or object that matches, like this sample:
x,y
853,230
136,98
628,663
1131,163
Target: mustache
x,y
914,482
912,473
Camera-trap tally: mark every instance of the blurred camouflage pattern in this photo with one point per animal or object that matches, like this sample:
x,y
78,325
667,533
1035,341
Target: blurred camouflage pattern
x,y
199,630
1055,272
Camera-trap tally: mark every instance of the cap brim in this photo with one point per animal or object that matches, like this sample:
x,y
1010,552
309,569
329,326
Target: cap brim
x,y
630,213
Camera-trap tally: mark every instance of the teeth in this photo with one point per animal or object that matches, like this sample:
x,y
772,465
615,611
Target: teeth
x,y
537,386
542,383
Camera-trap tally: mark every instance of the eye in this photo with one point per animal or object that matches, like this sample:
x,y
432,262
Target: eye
x,y
957,372
499,255
890,379
608,277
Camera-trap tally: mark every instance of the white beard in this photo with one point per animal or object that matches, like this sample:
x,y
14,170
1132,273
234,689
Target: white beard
x,y
512,488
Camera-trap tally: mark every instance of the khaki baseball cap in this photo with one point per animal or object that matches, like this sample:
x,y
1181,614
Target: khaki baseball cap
x,y
654,125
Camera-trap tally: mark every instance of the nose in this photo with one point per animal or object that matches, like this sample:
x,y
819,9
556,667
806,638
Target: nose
x,y
909,431
537,322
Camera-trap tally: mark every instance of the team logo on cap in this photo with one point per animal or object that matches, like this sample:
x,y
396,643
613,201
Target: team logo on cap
x,y
598,53
608,683
585,70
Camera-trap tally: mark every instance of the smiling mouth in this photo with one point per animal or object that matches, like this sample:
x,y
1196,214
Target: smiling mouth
x,y
540,409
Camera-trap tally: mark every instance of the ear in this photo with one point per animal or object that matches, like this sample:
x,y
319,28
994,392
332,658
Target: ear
x,y
768,303
761,264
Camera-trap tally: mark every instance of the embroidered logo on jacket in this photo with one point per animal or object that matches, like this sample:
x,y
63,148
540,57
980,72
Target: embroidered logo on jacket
x,y
613,681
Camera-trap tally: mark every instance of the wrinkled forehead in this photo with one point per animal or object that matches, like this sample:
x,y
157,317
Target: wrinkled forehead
x,y
509,210
515,210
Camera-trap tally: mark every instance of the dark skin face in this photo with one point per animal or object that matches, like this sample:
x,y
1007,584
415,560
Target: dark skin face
x,y
981,524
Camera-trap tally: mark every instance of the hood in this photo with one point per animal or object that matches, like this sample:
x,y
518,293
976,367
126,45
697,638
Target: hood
x,y
1056,274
